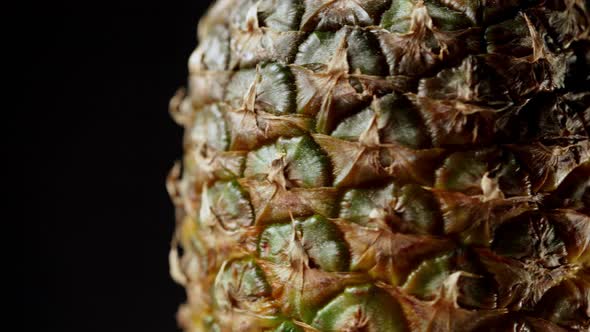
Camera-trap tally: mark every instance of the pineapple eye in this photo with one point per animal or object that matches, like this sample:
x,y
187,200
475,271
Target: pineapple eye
x,y
361,46
321,240
299,162
227,203
361,308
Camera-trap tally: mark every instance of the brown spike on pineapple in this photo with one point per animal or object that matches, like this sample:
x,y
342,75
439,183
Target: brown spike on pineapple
x,y
379,165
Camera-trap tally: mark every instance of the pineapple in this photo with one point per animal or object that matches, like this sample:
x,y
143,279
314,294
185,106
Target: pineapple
x,y
378,165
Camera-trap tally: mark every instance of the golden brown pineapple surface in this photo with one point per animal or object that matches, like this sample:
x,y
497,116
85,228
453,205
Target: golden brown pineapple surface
x,y
379,165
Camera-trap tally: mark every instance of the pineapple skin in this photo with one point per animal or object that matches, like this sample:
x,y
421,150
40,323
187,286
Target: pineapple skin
x,y
375,165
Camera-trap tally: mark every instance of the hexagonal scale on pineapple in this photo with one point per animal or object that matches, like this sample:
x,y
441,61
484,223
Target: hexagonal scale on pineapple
x,y
446,15
322,48
209,127
354,126
294,162
323,15
402,123
275,88
250,130
330,94
358,205
423,48
276,92
280,15
352,163
253,44
243,296
208,165
226,204
419,210
361,308
240,84
426,280
397,121
241,284
322,241
547,118
464,172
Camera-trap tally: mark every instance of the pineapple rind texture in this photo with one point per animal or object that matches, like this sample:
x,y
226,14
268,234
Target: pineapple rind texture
x,y
378,165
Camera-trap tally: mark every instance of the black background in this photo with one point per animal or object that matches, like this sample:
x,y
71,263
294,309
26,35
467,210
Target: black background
x,y
102,144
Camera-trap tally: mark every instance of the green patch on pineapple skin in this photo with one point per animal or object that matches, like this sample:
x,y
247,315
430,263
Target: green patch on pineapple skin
x,y
274,242
357,204
365,306
307,166
397,120
420,210
425,281
275,88
242,279
401,123
398,17
238,87
462,171
319,47
230,204
276,92
323,241
329,249
309,163
362,47
354,126
253,281
284,15
364,53
288,326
